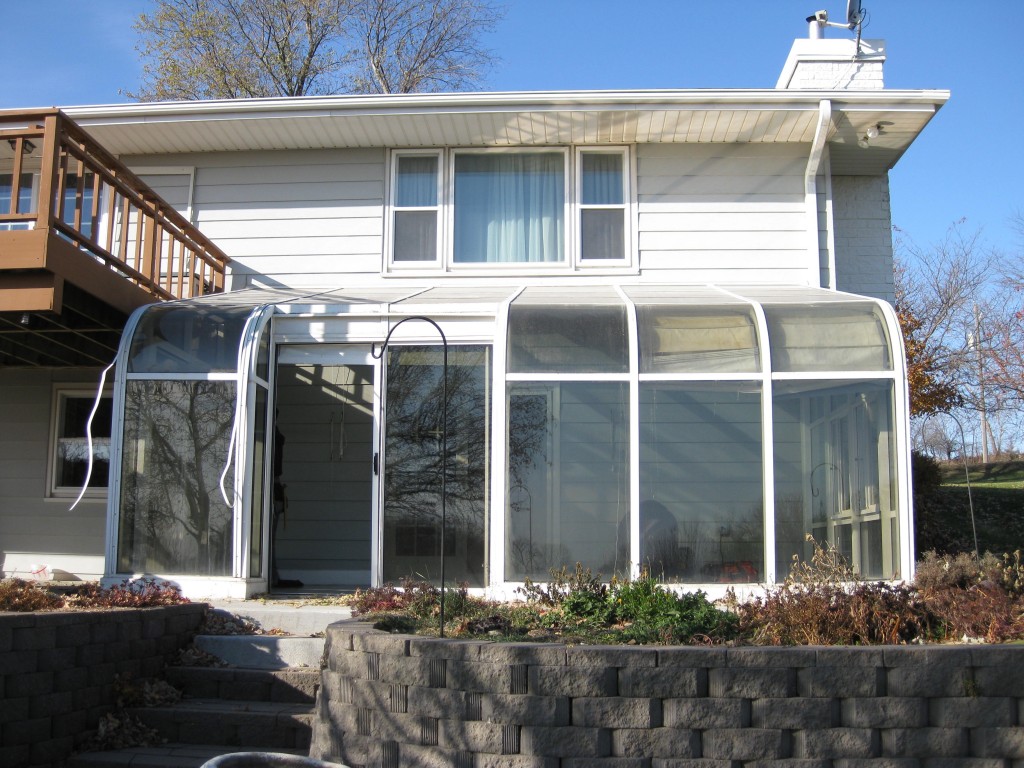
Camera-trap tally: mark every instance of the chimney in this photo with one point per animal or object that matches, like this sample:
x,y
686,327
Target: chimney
x,y
822,64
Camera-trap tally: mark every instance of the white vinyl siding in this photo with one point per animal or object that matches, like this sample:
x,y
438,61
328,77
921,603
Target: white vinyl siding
x,y
722,212
297,218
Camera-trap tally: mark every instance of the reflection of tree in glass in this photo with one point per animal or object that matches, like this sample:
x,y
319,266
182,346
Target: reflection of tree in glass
x,y
413,439
528,438
176,441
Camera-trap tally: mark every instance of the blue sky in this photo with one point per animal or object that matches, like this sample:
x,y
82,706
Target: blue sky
x,y
969,162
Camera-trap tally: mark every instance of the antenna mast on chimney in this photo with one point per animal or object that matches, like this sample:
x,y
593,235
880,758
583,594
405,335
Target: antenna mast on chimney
x,y
854,20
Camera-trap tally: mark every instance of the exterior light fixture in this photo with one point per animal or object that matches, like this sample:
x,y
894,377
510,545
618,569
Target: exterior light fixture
x,y
27,147
872,133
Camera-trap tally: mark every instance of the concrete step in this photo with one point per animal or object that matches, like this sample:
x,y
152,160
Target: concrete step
x,y
165,756
291,686
264,651
248,725
290,617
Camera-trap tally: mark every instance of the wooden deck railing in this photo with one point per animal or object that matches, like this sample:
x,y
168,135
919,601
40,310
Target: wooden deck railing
x,y
62,181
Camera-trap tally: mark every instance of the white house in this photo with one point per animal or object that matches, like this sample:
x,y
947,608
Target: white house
x,y
663,315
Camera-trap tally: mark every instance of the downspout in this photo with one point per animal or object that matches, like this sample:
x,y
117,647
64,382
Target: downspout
x,y
811,194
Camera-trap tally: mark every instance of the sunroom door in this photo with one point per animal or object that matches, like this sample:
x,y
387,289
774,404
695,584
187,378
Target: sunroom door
x,y
323,521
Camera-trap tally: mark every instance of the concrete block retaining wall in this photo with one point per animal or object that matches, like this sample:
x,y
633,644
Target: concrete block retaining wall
x,y
395,700
57,672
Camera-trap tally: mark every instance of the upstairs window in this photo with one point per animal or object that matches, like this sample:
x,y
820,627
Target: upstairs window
x,y
602,206
545,208
415,209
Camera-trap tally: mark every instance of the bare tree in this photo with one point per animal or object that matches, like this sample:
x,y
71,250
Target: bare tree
x,y
228,49
427,46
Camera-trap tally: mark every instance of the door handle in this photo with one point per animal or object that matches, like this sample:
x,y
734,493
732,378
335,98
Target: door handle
x,y
376,463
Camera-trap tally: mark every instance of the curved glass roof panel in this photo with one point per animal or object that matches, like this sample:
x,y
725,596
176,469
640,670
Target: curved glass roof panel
x,y
828,336
548,334
188,338
697,339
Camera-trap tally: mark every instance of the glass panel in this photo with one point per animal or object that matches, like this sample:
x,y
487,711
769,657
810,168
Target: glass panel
x,y
828,337
701,490
567,339
510,207
697,340
72,459
834,471
602,179
263,354
567,478
173,519
415,236
259,456
416,181
195,338
24,193
412,461
603,233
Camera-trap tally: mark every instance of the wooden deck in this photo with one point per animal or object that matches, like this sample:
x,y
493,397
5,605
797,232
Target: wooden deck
x,y
83,242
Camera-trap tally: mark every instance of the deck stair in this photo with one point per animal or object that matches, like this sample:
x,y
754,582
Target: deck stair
x,y
263,700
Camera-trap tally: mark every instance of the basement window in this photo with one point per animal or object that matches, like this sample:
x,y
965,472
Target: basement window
x,y
70,448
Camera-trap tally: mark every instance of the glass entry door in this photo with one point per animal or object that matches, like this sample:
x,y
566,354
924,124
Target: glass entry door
x,y
323,520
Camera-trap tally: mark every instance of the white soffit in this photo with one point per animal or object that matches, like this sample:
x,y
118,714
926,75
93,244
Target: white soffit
x,y
519,119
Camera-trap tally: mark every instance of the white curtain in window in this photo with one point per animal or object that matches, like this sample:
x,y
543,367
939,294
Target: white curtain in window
x,y
510,207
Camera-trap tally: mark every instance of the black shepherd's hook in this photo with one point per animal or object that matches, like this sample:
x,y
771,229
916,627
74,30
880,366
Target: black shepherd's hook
x,y
377,355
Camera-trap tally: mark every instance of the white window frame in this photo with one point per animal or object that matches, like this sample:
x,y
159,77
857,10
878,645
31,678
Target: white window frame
x,y
393,208
580,207
61,394
573,261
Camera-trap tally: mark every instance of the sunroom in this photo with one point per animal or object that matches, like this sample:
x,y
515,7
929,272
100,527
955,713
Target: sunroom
x,y
487,434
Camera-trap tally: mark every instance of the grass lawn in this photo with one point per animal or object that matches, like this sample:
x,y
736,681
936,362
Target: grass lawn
x,y
943,517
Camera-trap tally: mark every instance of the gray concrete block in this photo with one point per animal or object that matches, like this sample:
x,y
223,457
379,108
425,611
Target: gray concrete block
x,y
998,681
34,638
752,682
572,681
610,656
515,761
665,683
53,705
997,742
480,677
525,709
925,742
437,702
849,656
835,743
745,743
407,670
461,735
16,662
434,647
964,762
381,642
929,681
755,656
12,709
616,712
702,714
28,684
655,742
54,659
606,762
687,656
566,741
523,653
884,712
876,762
796,713
792,762
1009,656
694,762
977,712
839,682
6,637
